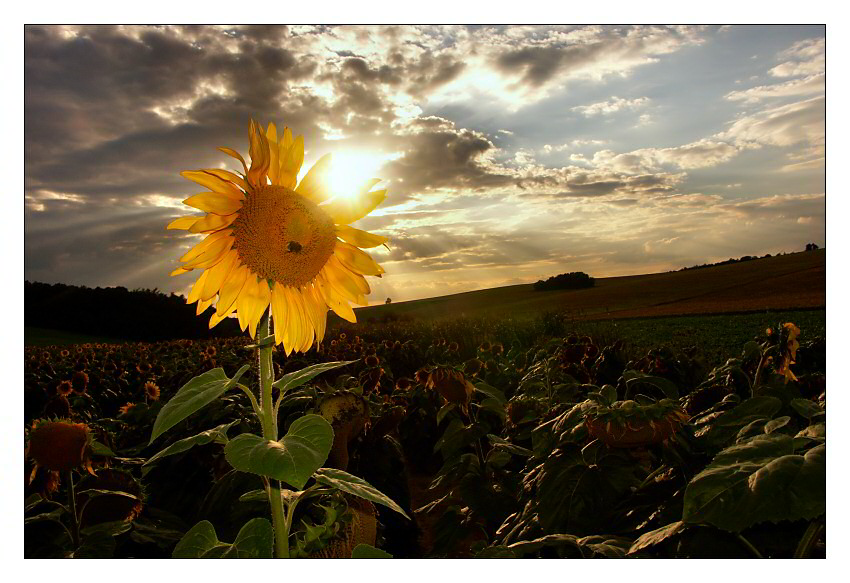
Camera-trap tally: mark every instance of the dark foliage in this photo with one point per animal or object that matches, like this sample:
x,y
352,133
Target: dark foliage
x,y
572,280
117,312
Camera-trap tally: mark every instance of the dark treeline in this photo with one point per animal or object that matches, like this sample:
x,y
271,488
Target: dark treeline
x,y
117,312
572,280
809,247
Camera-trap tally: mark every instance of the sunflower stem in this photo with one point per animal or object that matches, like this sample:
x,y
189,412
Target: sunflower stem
x,y
269,423
72,507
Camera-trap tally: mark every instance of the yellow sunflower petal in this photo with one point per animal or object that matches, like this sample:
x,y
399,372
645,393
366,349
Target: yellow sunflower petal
x,y
230,289
230,176
348,210
202,306
336,274
290,163
274,154
218,274
212,255
362,239
260,303
279,313
214,202
236,155
179,271
208,180
215,319
321,311
213,222
245,301
356,260
183,223
314,184
287,140
292,332
195,293
204,245
259,157
334,302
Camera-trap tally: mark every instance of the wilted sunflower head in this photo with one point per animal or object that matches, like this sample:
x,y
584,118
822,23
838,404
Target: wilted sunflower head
x,y
211,350
60,445
273,242
124,409
64,353
451,384
485,347
372,360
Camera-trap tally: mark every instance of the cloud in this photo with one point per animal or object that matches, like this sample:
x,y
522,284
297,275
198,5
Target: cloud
x,y
610,106
785,125
806,57
700,154
793,88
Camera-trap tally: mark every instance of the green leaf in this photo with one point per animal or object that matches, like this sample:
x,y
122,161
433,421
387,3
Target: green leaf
x,y
197,393
445,410
111,528
358,486
364,551
807,409
297,378
99,545
32,501
507,446
98,448
727,425
816,431
495,407
758,481
197,541
491,392
254,496
776,424
254,541
609,393
292,459
215,435
656,536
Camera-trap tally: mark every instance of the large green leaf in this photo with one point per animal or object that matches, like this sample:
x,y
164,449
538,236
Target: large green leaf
x,y
254,541
214,435
292,459
364,551
197,393
357,486
656,536
491,392
758,481
297,378
723,429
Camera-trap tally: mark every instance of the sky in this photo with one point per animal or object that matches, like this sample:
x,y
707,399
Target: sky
x,y
510,153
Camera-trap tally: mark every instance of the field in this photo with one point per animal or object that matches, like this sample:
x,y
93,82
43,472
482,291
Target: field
x,y
781,282
536,433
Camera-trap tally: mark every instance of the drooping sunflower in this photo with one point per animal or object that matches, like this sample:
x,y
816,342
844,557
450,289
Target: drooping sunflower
x,y
272,243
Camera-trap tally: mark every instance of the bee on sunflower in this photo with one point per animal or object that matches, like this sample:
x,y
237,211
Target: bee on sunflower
x,y
274,242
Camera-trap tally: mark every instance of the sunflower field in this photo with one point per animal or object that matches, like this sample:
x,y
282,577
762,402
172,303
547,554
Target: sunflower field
x,y
468,441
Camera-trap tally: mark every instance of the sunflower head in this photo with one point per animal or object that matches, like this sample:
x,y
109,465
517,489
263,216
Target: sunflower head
x,y
80,382
272,242
64,388
59,445
152,391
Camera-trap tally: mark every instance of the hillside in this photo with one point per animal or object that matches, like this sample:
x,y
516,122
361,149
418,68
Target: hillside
x,y
781,282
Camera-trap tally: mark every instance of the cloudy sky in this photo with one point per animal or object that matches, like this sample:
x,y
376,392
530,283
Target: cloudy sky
x,y
510,153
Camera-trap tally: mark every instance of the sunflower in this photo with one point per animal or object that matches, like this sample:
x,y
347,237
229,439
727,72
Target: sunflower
x,y
273,244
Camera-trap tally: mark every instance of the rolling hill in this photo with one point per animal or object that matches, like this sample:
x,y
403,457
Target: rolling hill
x,y
782,282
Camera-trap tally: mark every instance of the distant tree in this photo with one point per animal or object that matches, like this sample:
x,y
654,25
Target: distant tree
x,y
572,280
389,301
812,247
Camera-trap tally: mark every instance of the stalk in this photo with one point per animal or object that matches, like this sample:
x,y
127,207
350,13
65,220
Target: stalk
x,y
72,507
269,423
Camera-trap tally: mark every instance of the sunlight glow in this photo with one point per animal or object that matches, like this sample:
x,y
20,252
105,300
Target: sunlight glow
x,y
350,169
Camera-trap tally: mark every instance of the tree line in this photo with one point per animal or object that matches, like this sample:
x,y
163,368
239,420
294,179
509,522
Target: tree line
x,y
116,312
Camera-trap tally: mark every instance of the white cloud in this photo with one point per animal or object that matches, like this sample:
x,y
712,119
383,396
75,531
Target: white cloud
x,y
785,125
806,57
612,105
795,87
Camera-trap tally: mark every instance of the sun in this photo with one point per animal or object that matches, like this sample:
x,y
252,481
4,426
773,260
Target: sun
x,y
349,169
